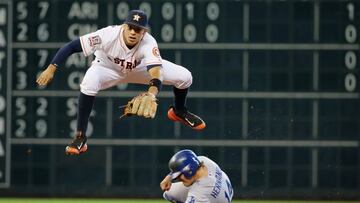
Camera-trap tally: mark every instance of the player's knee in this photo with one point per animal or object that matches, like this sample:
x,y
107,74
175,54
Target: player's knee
x,y
88,90
185,80
170,198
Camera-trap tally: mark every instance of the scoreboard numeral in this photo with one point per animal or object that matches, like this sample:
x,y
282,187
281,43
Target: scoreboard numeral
x,y
21,127
190,11
21,61
351,10
167,33
189,33
168,11
350,60
43,32
71,105
20,104
5,89
350,33
213,11
21,82
41,128
350,56
41,110
44,7
167,30
22,35
122,10
22,10
211,33
43,57
350,82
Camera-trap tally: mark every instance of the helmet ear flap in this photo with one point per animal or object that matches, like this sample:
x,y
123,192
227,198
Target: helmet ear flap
x,y
184,162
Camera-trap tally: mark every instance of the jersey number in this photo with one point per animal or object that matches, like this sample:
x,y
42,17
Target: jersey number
x,y
229,192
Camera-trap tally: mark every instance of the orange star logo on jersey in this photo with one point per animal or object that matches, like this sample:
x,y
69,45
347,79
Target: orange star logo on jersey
x,y
136,17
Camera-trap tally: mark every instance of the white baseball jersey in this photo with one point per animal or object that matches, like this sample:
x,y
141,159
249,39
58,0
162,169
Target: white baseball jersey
x,y
115,63
108,45
215,188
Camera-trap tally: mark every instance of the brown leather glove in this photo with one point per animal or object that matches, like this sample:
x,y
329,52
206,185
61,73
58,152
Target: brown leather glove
x,y
145,104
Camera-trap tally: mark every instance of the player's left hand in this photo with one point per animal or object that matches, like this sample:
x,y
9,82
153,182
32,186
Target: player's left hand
x,y
145,104
47,75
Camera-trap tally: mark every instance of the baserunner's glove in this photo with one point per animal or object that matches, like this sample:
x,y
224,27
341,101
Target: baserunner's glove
x,y
145,104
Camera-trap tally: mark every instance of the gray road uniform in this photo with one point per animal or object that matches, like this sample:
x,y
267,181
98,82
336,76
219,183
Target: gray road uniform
x,y
215,188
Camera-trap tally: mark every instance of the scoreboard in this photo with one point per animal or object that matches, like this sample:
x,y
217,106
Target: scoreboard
x,y
267,73
5,112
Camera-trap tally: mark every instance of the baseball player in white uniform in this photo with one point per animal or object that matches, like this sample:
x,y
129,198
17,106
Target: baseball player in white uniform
x,y
199,179
124,53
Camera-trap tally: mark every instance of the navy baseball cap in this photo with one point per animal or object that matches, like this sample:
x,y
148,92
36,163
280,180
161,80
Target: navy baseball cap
x,y
137,18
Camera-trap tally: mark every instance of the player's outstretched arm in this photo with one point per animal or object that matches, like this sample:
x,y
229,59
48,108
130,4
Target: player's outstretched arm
x,y
155,73
165,184
47,75
148,109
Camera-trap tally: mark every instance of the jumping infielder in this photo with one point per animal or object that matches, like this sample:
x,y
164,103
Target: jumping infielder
x,y
124,53
199,179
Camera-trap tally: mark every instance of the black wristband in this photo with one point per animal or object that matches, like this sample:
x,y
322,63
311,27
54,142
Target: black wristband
x,y
156,82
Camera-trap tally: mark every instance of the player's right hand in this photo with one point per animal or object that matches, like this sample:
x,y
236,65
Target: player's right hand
x,y
47,75
165,185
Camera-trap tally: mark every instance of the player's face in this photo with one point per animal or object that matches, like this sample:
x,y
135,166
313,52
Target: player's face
x,y
186,182
132,34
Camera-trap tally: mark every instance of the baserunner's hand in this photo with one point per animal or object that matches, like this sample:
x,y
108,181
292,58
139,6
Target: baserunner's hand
x,y
165,184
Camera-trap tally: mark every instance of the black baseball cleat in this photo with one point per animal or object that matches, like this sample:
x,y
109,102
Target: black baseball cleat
x,y
78,145
187,118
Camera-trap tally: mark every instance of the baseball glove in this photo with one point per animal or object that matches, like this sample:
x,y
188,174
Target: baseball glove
x,y
145,104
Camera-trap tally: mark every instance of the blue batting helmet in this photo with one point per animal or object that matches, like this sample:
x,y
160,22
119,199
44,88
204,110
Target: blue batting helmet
x,y
183,162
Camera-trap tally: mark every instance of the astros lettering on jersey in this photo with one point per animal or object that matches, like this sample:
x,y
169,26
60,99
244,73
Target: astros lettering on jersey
x,y
108,46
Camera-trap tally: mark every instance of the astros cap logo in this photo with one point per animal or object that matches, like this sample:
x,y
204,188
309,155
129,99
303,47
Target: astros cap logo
x,y
136,17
